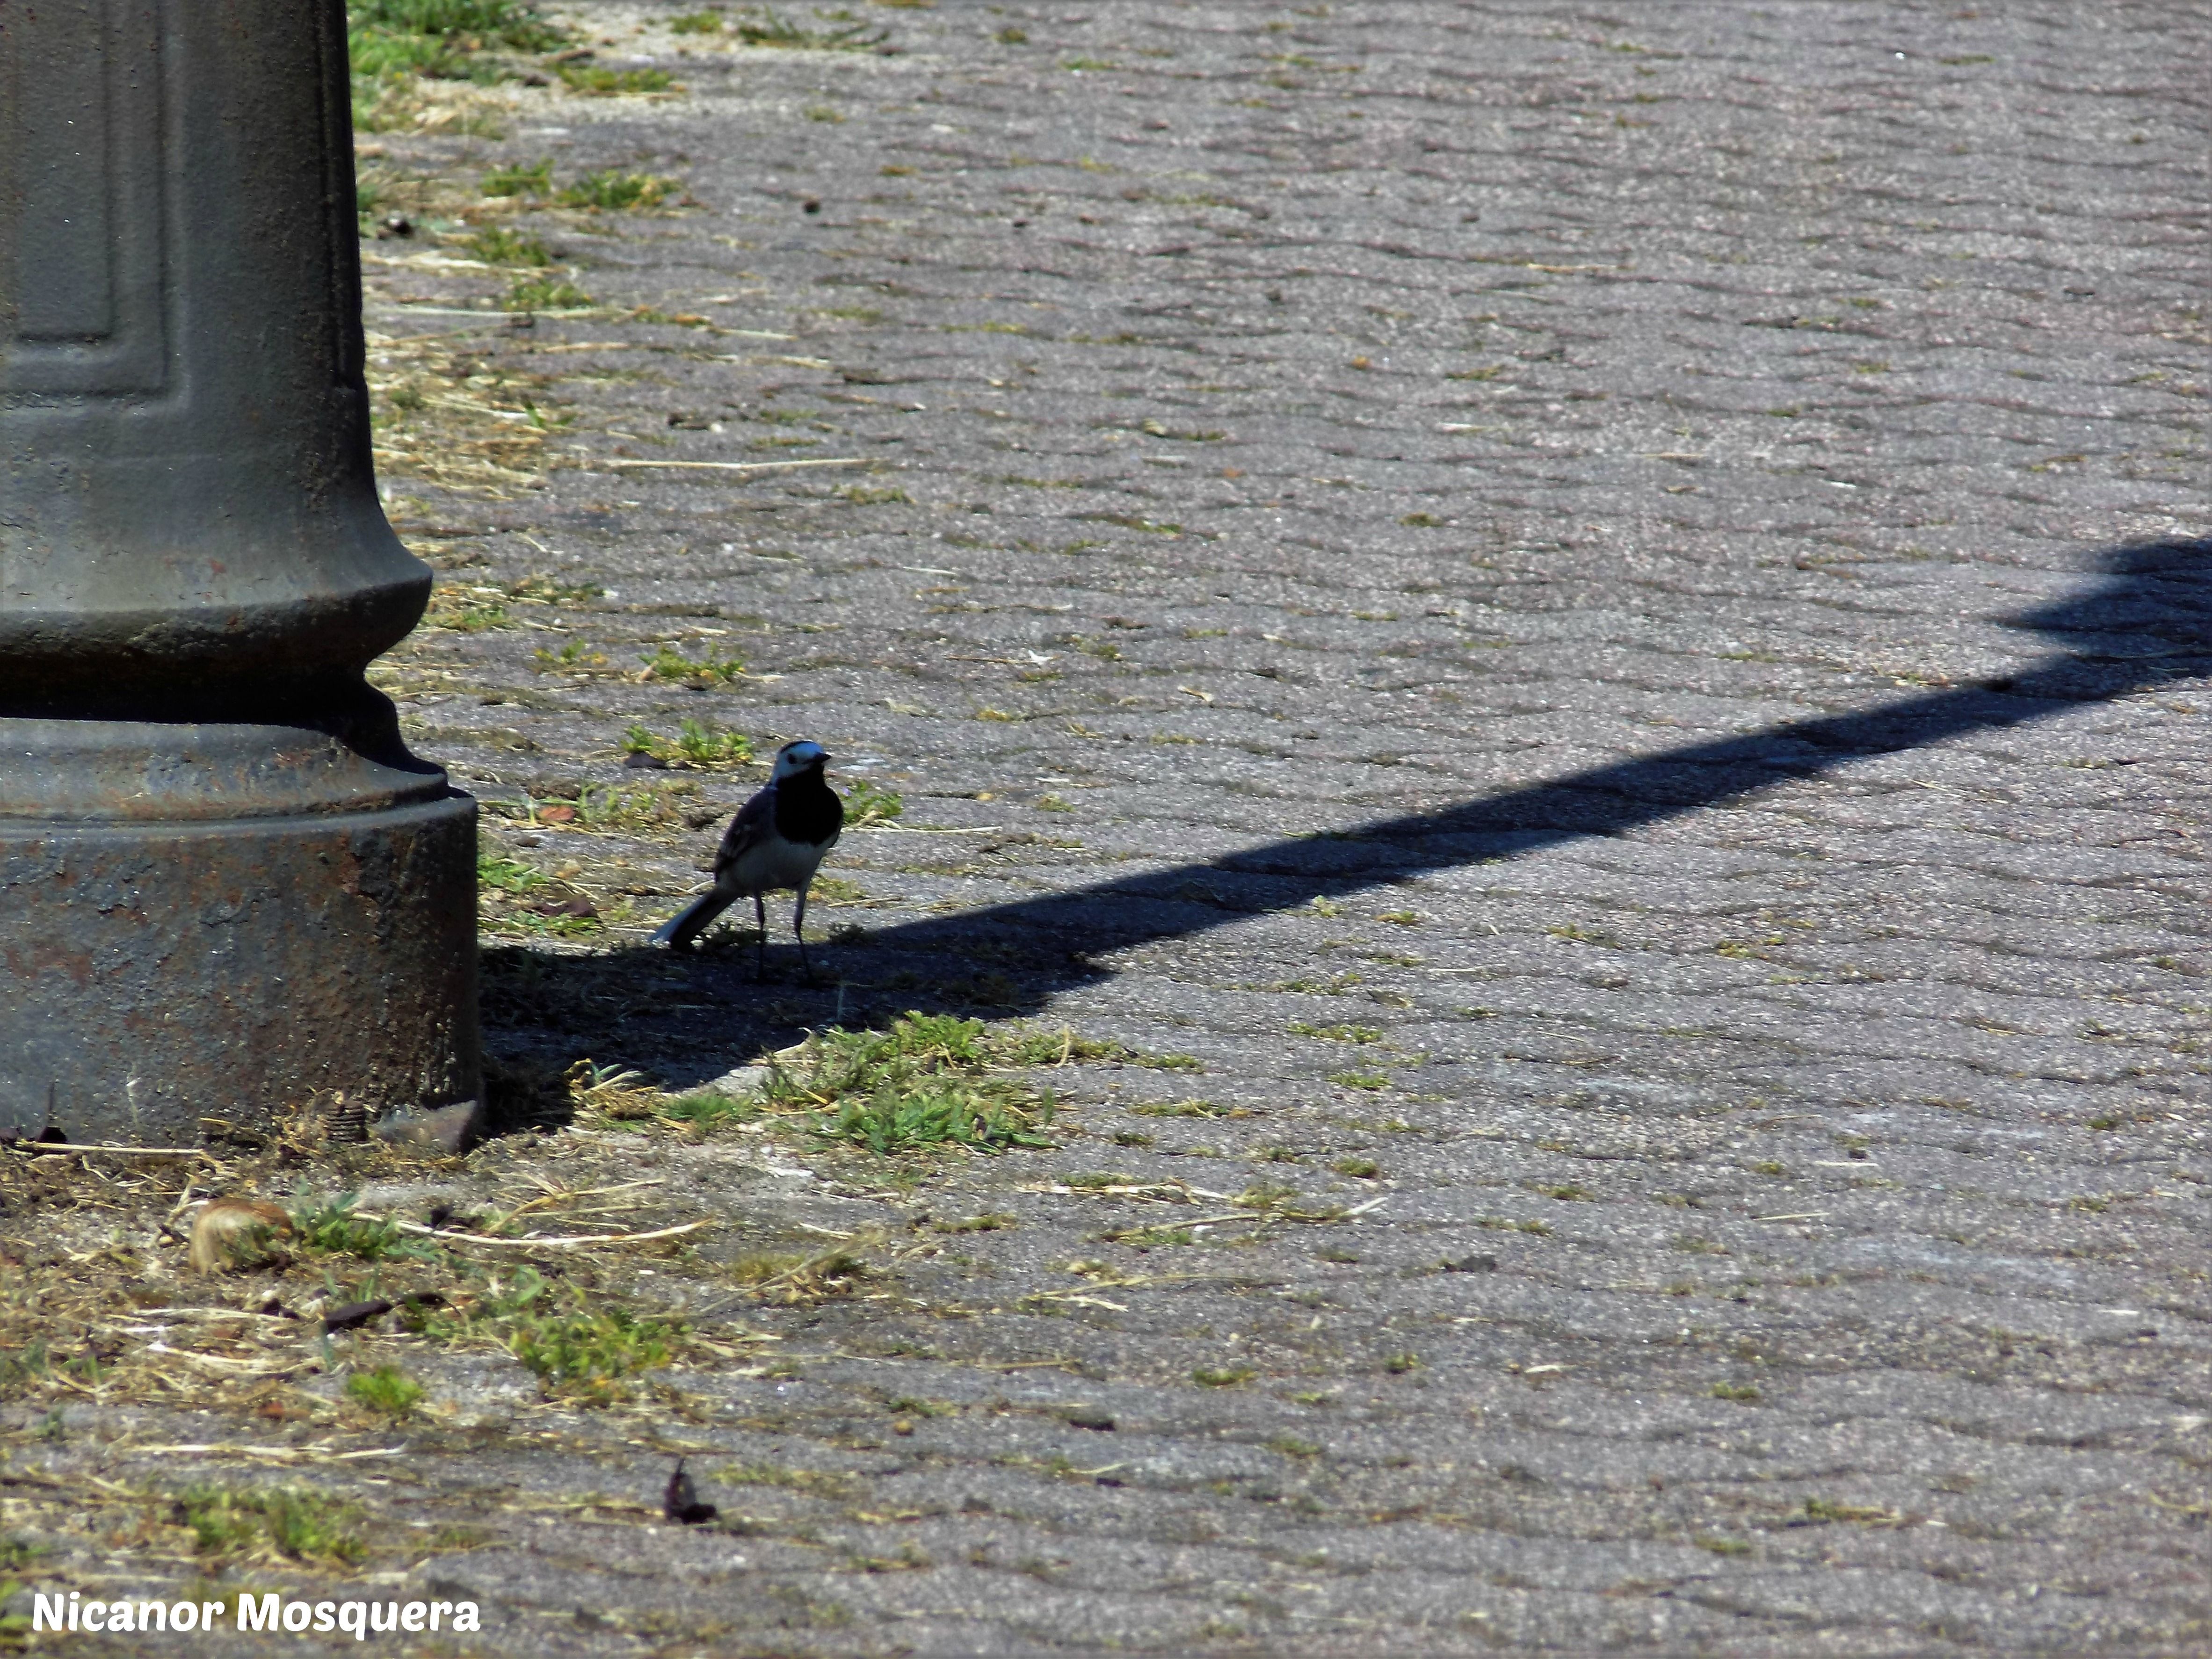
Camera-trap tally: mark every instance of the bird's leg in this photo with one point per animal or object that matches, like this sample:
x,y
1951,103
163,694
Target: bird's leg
x,y
760,919
799,932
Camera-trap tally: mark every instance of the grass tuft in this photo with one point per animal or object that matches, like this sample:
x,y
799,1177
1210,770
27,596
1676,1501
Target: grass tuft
x,y
696,744
388,1389
616,192
1222,1377
593,81
291,1522
665,662
764,26
706,1109
329,1227
546,294
583,1352
867,803
387,41
924,1084
501,246
911,1117
516,180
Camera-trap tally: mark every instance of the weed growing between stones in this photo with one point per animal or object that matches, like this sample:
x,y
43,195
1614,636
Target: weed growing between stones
x,y
533,180
868,804
512,897
1191,1109
924,1084
1222,1377
930,1083
707,1111
583,1349
388,1389
616,192
654,811
250,1523
464,609
696,744
498,245
714,667
905,1116
546,294
594,81
391,44
764,26
328,1227
575,657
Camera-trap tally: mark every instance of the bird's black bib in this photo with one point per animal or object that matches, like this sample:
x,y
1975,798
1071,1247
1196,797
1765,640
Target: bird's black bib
x,y
807,809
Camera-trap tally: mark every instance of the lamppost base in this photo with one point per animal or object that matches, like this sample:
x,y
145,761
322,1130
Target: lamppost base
x,y
153,974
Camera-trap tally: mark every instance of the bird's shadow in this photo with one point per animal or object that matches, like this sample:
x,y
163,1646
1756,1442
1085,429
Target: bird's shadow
x,y
2145,619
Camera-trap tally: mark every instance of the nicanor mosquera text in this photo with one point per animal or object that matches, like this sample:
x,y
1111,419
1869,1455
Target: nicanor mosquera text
x,y
267,1613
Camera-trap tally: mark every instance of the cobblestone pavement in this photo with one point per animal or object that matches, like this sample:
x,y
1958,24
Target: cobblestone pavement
x,y
1593,611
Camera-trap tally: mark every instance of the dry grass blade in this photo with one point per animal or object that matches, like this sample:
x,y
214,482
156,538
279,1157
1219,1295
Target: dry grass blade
x,y
41,1148
543,1241
316,1454
736,466
1154,1192
611,1092
1076,1297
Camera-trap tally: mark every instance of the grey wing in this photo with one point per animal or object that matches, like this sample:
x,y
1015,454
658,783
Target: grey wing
x,y
754,823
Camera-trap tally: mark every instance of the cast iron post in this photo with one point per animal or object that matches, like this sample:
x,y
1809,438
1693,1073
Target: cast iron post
x,y
227,890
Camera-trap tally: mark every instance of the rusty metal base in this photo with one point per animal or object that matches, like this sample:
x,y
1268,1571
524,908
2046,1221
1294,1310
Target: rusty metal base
x,y
155,974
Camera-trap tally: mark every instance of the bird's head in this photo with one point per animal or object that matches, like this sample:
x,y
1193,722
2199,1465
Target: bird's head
x,y
794,758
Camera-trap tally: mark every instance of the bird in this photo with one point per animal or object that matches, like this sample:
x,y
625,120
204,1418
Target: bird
x,y
776,843
679,1500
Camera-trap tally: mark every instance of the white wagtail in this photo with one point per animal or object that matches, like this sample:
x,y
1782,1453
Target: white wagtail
x,y
776,843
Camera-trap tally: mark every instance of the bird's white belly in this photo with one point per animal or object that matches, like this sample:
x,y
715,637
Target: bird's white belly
x,y
774,865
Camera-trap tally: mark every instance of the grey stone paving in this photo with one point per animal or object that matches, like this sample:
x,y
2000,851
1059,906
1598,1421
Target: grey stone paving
x,y
1628,580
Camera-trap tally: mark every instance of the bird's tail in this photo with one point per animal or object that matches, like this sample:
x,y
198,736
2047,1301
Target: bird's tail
x,y
693,919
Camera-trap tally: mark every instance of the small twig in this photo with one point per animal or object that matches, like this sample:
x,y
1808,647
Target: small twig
x,y
1078,1297
1165,1192
746,466
280,1454
541,1242
226,1366
213,1313
1200,1221
38,1148
2197,1510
